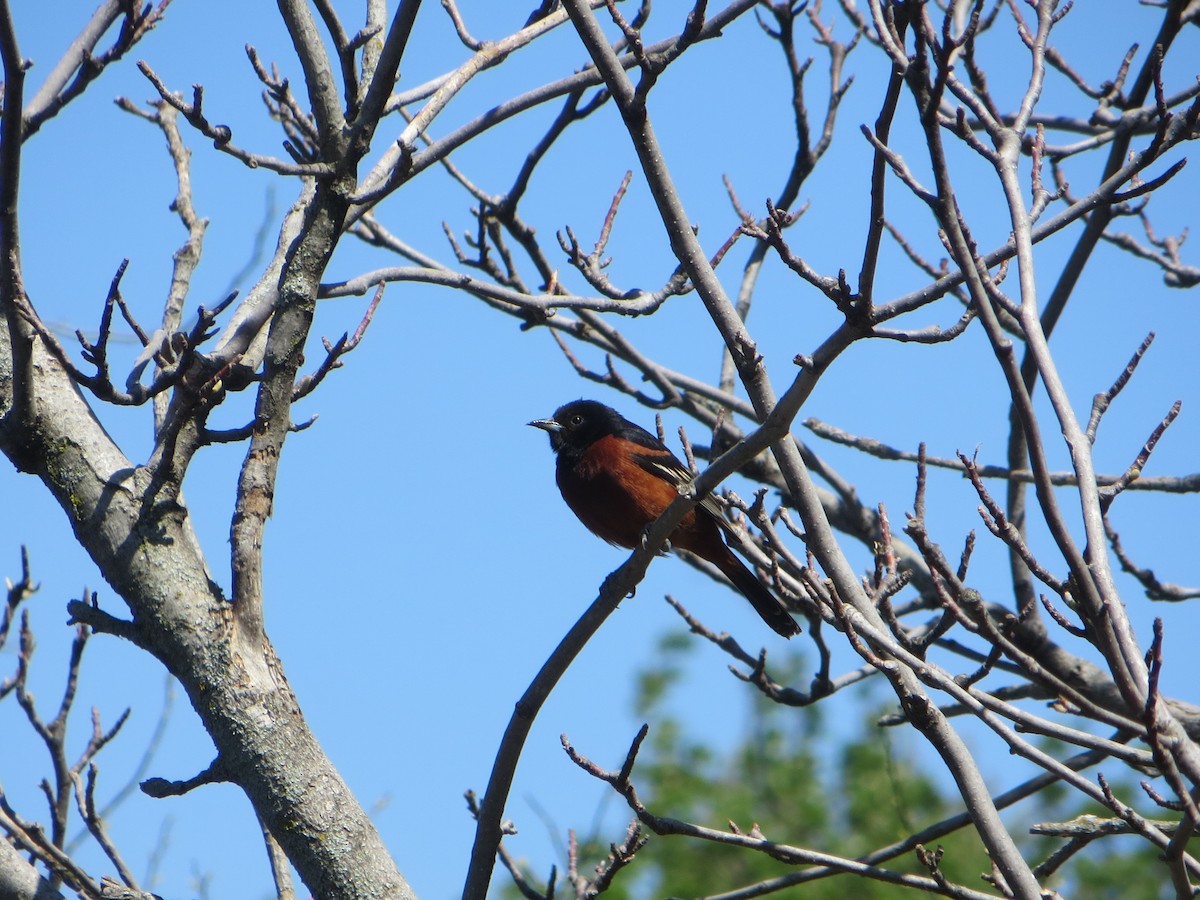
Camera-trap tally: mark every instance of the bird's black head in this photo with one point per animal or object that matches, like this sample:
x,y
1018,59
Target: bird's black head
x,y
579,424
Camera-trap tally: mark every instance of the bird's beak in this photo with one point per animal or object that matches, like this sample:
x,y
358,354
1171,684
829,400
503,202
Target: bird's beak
x,y
550,425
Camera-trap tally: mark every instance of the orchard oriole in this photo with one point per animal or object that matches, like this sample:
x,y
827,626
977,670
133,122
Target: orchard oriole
x,y
618,478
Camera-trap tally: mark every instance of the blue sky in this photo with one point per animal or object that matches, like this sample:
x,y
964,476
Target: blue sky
x,y
420,565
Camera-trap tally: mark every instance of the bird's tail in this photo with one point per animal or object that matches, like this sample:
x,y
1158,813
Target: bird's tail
x,y
769,607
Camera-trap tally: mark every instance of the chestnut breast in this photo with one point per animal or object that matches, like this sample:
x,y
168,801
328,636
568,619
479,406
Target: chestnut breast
x,y
619,514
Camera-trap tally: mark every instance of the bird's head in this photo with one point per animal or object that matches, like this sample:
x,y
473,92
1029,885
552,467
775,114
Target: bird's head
x,y
579,424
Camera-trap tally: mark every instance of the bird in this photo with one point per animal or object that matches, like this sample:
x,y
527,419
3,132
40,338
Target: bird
x,y
618,478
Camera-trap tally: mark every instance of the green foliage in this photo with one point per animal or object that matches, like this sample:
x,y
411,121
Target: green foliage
x,y
789,777
844,790
1133,872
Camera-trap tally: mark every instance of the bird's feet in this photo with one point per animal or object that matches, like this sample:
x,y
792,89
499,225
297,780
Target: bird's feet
x,y
666,547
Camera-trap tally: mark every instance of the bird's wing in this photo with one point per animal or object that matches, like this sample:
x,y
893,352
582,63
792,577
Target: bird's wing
x,y
663,464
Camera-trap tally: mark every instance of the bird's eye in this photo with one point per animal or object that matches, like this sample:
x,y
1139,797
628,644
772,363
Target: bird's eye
x,y
576,420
